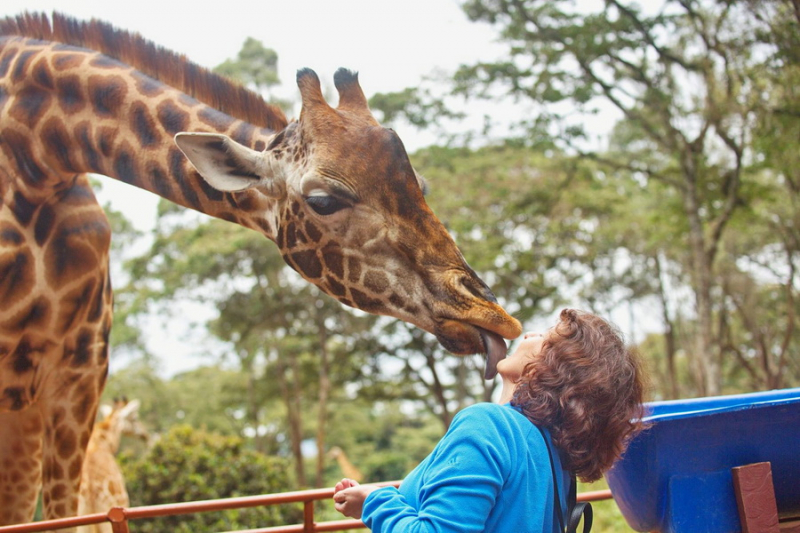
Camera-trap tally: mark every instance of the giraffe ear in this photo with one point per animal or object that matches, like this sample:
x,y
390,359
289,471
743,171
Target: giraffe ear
x,y
105,411
129,408
225,164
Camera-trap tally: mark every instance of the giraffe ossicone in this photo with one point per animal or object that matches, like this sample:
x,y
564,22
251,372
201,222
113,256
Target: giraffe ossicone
x,y
334,190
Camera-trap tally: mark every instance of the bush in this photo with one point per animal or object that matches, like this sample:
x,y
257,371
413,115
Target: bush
x,y
189,465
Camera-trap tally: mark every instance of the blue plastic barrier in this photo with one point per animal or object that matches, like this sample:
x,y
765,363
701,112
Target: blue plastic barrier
x,y
676,476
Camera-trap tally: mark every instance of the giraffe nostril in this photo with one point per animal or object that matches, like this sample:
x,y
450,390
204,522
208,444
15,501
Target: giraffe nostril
x,y
478,288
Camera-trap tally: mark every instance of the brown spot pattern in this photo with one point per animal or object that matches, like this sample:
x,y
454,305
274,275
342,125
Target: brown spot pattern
x,y
29,105
364,301
143,125
74,306
35,316
307,263
334,261
376,281
19,148
335,288
16,275
147,86
106,139
84,137
66,441
107,94
6,58
353,270
20,68
56,141
313,232
70,94
71,252
172,118
215,119
67,60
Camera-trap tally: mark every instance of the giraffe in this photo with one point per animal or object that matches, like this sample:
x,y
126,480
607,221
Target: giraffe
x,y
349,470
333,190
102,484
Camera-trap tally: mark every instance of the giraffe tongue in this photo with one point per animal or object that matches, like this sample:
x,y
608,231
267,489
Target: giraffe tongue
x,y
495,352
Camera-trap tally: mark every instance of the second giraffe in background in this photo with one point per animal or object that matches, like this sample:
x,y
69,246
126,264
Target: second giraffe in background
x,y
349,470
102,483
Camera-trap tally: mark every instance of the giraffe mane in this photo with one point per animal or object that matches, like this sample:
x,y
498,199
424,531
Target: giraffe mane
x,y
153,60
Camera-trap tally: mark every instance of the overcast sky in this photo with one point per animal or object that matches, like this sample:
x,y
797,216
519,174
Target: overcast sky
x,y
391,42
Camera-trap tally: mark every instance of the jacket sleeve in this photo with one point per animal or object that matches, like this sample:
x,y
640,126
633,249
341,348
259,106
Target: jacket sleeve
x,y
459,487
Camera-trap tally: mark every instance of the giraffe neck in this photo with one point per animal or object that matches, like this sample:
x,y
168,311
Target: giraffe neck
x,y
106,437
76,111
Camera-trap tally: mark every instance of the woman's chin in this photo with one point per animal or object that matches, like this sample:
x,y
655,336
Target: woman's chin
x,y
503,369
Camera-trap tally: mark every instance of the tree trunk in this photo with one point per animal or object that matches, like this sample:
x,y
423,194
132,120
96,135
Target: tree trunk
x,y
437,389
324,394
291,398
708,367
253,405
669,333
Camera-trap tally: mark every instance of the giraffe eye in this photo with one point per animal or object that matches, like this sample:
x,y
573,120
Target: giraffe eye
x,y
325,205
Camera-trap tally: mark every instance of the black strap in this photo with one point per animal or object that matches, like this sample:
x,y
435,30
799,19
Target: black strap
x,y
574,510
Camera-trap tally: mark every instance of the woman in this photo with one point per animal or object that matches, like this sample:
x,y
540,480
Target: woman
x,y
491,471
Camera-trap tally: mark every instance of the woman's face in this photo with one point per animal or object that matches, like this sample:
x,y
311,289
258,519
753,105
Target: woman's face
x,y
526,351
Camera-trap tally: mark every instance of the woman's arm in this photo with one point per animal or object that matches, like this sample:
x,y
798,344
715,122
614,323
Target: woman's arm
x,y
459,487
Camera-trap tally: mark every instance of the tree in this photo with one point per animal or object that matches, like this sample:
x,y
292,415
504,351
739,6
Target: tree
x,y
189,465
257,67
681,78
776,248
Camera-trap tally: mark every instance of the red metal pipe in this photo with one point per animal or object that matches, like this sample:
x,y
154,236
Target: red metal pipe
x,y
119,516
594,496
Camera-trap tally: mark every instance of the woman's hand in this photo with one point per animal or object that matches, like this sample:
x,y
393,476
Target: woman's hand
x,y
349,496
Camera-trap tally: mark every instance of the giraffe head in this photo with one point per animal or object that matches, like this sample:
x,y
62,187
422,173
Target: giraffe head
x,y
349,215
123,416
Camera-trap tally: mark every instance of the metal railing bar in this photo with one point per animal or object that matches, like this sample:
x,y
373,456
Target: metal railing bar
x,y
300,496
119,517
594,496
343,525
58,523
333,525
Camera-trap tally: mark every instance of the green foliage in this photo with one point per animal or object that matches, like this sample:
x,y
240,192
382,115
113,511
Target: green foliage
x,y
695,84
190,465
417,106
607,516
380,439
527,226
208,396
255,66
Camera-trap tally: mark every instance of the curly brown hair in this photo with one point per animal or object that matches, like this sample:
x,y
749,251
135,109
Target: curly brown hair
x,y
586,386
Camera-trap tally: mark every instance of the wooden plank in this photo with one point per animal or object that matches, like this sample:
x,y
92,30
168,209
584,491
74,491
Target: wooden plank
x,y
790,527
755,497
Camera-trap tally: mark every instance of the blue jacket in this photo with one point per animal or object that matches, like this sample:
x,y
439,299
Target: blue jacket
x,y
489,473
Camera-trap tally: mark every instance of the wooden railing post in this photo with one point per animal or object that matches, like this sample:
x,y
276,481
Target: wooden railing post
x,y
308,517
119,522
